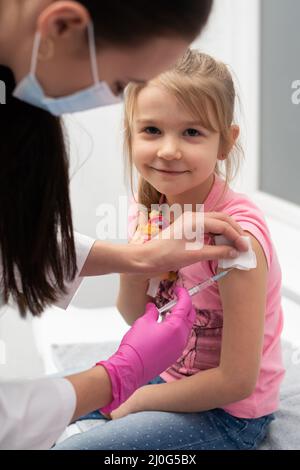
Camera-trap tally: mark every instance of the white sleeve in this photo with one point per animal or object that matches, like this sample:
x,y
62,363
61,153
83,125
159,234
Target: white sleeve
x,y
83,245
34,414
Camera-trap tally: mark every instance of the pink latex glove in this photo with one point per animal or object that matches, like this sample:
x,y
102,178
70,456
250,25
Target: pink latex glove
x,y
149,348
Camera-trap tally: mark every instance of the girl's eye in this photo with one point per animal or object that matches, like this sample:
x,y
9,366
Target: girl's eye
x,y
192,133
151,130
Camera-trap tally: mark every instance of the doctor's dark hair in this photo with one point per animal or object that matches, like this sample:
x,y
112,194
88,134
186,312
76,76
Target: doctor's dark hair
x,y
36,231
121,22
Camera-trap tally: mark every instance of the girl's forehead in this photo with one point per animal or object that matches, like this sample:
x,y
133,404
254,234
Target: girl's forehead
x,y
155,101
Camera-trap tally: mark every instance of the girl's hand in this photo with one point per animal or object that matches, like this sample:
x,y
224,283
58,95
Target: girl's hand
x,y
123,410
128,407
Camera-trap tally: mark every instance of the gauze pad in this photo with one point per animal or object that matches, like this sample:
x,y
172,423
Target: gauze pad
x,y
246,259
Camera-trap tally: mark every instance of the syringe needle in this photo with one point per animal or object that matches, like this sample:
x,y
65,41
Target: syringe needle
x,y
195,290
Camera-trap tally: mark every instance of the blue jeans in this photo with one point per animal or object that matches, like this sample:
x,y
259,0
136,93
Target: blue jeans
x,y
155,430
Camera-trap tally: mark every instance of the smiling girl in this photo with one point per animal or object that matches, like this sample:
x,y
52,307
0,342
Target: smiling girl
x,y
223,391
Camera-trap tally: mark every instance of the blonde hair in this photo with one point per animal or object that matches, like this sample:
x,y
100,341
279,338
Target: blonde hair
x,y
196,80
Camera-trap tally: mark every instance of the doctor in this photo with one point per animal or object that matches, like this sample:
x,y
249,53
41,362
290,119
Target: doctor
x,y
50,66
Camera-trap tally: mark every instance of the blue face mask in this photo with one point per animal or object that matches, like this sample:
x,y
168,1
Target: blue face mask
x,y
100,94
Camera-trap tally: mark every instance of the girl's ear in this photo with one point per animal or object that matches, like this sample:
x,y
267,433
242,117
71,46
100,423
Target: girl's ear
x,y
234,135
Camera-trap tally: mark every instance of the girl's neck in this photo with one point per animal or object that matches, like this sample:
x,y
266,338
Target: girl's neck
x,y
195,196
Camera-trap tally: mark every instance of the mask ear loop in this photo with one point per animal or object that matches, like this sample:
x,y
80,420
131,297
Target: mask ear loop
x,y
92,48
35,51
93,54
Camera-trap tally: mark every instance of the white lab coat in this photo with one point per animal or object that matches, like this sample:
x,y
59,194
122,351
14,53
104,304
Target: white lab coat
x,y
34,414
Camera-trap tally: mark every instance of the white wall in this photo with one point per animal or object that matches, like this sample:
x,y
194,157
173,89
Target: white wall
x,y
97,146
233,36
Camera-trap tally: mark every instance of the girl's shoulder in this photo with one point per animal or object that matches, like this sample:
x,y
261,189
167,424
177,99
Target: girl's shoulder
x,y
250,217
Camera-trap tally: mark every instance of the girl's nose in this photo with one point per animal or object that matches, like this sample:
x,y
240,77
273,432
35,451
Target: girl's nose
x,y
169,151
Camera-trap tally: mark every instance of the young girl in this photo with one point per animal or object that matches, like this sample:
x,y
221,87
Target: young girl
x,y
222,392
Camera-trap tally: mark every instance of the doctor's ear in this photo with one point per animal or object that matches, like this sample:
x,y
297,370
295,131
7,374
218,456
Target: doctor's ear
x,y
63,18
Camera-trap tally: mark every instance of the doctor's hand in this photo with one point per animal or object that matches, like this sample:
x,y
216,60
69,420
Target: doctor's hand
x,y
169,251
149,348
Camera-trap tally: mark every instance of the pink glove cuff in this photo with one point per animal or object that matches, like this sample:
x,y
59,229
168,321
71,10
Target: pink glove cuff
x,y
126,372
115,386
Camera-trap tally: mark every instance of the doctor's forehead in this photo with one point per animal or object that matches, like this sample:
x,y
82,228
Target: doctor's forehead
x,y
145,61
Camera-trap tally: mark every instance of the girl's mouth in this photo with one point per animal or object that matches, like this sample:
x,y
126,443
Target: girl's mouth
x,y
169,172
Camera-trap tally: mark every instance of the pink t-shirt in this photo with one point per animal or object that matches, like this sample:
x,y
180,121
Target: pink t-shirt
x,y
204,345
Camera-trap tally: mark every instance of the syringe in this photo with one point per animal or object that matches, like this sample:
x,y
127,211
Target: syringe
x,y
195,290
